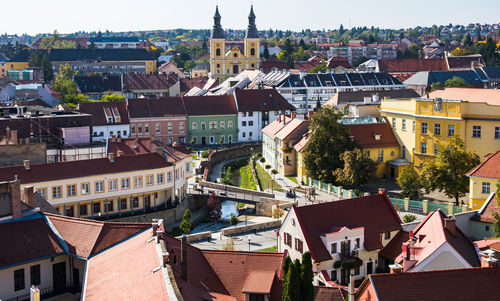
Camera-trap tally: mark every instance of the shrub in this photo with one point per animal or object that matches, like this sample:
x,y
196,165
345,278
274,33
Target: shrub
x,y
268,166
262,159
229,245
197,180
204,154
408,218
192,141
278,212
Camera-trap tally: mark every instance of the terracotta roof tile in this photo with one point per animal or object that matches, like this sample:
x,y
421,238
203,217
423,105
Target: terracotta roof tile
x,y
489,168
156,107
259,282
261,100
97,110
486,243
339,61
135,82
293,130
274,127
366,135
412,65
375,213
210,105
464,62
486,213
324,293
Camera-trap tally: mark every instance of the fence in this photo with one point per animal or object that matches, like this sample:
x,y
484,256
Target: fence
x,y
404,205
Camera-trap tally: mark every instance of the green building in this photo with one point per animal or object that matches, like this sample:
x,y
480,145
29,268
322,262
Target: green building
x,y
212,119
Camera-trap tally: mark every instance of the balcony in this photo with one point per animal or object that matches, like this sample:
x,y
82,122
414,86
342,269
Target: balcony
x,y
348,261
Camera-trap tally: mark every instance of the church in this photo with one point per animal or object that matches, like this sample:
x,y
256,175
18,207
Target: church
x,y
231,57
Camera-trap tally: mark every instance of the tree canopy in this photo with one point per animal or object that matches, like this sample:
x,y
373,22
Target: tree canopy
x,y
40,59
186,223
410,183
110,96
358,169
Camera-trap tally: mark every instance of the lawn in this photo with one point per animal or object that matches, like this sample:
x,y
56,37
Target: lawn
x,y
246,178
272,249
265,180
293,179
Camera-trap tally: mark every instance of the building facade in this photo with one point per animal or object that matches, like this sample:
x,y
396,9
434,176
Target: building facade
x,y
109,119
230,58
483,180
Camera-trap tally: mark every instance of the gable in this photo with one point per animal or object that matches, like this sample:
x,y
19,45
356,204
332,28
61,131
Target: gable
x,y
444,258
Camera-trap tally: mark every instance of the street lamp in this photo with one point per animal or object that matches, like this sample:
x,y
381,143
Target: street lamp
x,y
249,238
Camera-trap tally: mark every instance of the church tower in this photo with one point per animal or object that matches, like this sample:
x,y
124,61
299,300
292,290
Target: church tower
x,y
217,46
252,43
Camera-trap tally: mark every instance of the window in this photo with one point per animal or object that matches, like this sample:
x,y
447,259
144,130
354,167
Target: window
x,y
42,192
423,146
113,185
333,275
367,154
96,208
169,176
437,129
333,248
403,152
135,202
497,132
109,206
393,123
160,178
451,130
230,124
217,52
56,192
345,248
403,124
243,134
212,140
252,51
476,131
380,157
194,126
123,204
181,127
387,235
203,126
132,128
146,128
169,127
250,114
287,239
212,125
35,274
243,114
357,243
299,245
222,125
187,167
85,188
149,180
356,270
83,209
126,183
230,138
71,190
486,188
243,123
250,123
70,211
19,279
424,127
157,128
99,186
137,181
139,128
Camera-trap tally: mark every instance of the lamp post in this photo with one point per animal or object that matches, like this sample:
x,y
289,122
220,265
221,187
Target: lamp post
x,y
249,238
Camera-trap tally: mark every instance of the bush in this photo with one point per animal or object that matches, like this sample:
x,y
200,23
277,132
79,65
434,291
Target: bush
x,y
186,224
268,166
204,154
262,159
259,155
408,218
192,141
278,212
197,180
229,245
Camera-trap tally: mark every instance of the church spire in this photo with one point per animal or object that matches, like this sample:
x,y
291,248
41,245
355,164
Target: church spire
x,y
252,32
217,31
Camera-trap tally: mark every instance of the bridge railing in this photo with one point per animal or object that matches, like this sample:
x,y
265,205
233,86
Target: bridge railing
x,y
229,188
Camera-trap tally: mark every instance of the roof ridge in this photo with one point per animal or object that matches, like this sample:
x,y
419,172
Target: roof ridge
x,y
90,221
241,252
433,271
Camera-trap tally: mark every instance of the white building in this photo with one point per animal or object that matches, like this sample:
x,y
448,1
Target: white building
x,y
256,109
109,119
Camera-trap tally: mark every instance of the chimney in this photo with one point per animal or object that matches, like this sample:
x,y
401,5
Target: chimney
x,y
165,258
159,235
111,157
15,198
154,223
13,137
27,164
159,150
120,153
395,268
29,198
351,288
294,115
184,257
279,118
381,190
450,225
487,259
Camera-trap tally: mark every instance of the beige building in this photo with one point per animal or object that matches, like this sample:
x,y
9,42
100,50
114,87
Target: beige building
x,y
111,186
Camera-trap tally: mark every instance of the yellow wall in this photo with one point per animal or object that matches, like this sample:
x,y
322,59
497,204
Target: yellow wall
x,y
390,153
17,65
476,195
301,168
244,59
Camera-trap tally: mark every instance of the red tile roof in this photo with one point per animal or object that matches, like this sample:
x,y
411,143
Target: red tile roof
x,y
125,272
375,213
82,168
274,127
366,135
486,212
97,110
412,65
156,107
486,243
189,83
273,63
456,285
88,237
26,240
464,62
210,105
299,146
261,100
259,282
154,82
489,168
305,66
293,130
339,61
324,293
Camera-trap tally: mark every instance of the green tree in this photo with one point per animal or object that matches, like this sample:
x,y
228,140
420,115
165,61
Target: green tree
x,y
446,172
358,168
306,277
40,59
291,291
266,52
186,223
460,52
233,220
410,183
329,139
64,83
319,68
467,40
286,266
436,86
110,96
456,82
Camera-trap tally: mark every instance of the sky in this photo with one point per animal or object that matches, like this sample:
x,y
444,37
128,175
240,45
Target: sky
x,y
67,16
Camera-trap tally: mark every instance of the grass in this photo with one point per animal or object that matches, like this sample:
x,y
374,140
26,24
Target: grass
x,y
241,205
195,157
272,249
293,179
246,178
266,180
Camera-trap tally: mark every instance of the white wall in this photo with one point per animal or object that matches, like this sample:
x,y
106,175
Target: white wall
x,y
124,130
250,132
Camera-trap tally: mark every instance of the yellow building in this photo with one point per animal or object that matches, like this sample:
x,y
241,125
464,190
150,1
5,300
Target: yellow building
x,y
421,124
232,57
109,186
483,180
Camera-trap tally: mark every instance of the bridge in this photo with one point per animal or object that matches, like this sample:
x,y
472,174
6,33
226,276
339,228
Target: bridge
x,y
231,193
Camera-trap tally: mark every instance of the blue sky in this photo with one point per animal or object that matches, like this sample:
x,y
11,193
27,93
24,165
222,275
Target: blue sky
x,y
33,16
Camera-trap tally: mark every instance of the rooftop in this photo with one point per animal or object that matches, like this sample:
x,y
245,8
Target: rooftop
x,y
261,100
490,96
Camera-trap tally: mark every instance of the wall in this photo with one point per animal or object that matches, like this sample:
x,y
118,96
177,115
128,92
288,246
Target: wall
x,y
266,206
476,196
16,154
167,137
234,152
230,134
248,228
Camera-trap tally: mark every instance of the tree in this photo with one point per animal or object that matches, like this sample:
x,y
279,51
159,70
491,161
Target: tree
x,y
286,266
306,277
460,52
40,59
233,220
229,245
266,52
408,218
467,40
291,289
319,68
496,215
446,172
186,223
436,86
110,96
358,168
214,207
329,139
278,212
410,183
274,172
456,82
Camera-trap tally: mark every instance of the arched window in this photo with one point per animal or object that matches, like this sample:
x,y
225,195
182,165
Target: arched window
x,y
217,52
252,51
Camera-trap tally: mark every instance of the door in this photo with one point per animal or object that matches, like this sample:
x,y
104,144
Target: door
x,y
59,276
203,140
76,278
147,201
344,276
369,268
392,172
235,69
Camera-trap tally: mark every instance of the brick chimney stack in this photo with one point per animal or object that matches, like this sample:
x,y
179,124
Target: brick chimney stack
x,y
451,225
381,190
184,257
395,268
15,198
487,259
27,165
29,197
111,157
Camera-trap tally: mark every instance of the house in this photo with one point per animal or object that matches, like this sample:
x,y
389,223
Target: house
x,y
171,69
343,236
101,187
378,142
101,42
483,179
211,119
432,285
31,93
437,243
490,75
200,71
269,145
299,148
160,118
109,119
273,64
420,124
150,85
3,65
338,65
96,86
256,109
406,68
465,62
422,81
483,221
